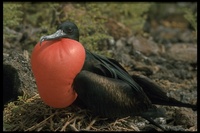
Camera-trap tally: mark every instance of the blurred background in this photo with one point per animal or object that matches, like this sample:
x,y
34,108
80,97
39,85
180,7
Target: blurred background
x,y
100,24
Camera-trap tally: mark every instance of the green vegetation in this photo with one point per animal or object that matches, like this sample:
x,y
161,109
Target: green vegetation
x,y
192,18
131,14
12,16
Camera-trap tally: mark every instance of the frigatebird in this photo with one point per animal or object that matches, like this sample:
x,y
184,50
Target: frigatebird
x,y
65,71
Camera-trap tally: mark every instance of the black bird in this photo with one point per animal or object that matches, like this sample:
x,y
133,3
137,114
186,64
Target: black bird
x,y
108,90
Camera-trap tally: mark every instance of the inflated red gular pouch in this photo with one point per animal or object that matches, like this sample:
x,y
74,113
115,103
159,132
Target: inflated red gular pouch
x,y
55,64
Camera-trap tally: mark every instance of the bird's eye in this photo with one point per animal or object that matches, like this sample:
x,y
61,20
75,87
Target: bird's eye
x,y
70,30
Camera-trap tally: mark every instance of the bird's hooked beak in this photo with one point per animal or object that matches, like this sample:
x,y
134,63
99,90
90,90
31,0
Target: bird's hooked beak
x,y
58,34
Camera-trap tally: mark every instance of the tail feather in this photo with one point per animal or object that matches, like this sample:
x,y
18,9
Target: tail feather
x,y
157,95
154,123
152,113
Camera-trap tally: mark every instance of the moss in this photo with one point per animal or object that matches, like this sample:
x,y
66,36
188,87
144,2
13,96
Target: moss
x,y
12,16
131,14
191,17
88,17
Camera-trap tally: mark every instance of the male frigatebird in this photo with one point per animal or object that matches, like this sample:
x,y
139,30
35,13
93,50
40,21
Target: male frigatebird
x,y
64,69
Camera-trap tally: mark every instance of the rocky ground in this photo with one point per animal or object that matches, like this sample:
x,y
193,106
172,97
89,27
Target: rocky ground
x,y
166,55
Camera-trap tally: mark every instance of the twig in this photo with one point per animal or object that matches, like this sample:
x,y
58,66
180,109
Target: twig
x,y
67,123
39,124
73,127
91,123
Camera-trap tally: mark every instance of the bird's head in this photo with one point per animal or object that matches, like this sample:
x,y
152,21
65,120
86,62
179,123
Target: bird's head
x,y
65,30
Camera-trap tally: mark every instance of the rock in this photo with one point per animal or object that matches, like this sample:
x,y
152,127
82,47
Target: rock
x,y
168,35
11,83
145,46
170,24
184,116
117,29
183,52
18,77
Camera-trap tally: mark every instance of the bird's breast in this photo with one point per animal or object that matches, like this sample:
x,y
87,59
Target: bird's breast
x,y
55,64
